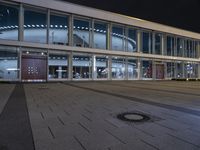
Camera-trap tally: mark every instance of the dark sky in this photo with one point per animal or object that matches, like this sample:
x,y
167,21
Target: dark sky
x,y
183,14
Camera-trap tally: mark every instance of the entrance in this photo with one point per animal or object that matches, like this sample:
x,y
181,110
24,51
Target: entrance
x,y
34,67
160,71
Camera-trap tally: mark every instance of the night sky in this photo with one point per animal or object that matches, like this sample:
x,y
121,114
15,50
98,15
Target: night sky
x,y
183,14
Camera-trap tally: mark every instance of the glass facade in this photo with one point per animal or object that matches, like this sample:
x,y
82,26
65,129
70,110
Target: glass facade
x,y
81,34
35,25
82,66
118,68
9,22
118,38
58,29
132,40
9,63
147,40
146,69
101,68
61,32
58,65
100,35
132,64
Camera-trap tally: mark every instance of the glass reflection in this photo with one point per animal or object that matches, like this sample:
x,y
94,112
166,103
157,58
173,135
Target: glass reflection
x,y
147,69
9,22
118,68
100,38
8,63
58,66
101,67
147,42
81,33
117,38
132,40
35,27
58,31
82,67
132,68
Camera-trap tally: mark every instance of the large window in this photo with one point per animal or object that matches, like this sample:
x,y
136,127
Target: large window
x,y
82,66
132,68
170,69
132,40
9,66
118,38
9,22
191,70
147,40
100,35
118,68
101,67
147,69
179,69
180,47
35,25
58,65
170,46
81,34
158,43
58,31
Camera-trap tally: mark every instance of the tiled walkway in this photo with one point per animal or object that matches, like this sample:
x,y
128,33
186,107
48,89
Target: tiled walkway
x,y
83,115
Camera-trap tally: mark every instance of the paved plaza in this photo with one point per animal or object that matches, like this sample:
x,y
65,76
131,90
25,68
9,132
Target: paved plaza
x,y
82,115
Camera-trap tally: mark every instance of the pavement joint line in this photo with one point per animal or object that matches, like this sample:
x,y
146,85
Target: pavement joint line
x,y
50,109
149,144
79,142
120,140
42,115
143,131
88,110
53,136
183,140
60,120
111,123
144,101
86,129
165,126
67,113
152,89
86,117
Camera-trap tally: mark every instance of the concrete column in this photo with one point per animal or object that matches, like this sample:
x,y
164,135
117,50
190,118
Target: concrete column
x,y
139,77
199,70
139,41
153,43
70,66
70,31
94,70
109,68
153,70
126,68
109,37
48,25
91,37
21,23
163,45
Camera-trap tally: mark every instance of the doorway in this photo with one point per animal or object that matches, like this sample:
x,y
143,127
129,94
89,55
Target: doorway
x,y
34,68
160,71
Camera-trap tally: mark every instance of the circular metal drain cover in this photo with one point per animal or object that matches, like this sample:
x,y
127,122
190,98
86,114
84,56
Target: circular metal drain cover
x,y
133,117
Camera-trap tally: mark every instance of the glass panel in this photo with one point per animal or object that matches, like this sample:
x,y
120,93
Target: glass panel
x,y
147,42
9,22
132,40
147,69
170,70
58,31
8,63
100,32
158,45
101,67
179,69
118,68
117,38
180,47
35,27
58,66
82,67
132,68
170,46
191,70
81,33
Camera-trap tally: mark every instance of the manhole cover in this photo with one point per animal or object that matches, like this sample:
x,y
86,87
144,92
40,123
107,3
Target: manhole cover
x,y
133,117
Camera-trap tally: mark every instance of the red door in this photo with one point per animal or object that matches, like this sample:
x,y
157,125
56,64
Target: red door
x,y
160,71
34,67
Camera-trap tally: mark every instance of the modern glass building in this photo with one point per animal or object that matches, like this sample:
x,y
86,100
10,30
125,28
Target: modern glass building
x,y
52,40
